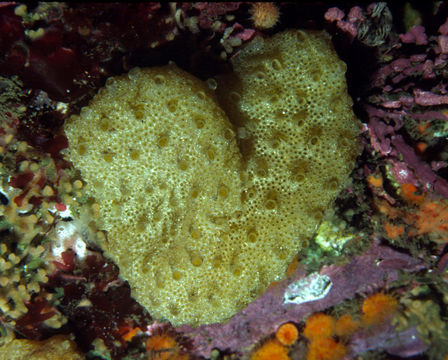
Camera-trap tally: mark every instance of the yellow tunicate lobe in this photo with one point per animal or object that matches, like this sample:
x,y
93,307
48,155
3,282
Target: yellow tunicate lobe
x,y
196,204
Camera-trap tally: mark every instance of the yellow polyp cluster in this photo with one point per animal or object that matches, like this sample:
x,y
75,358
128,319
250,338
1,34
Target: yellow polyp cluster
x,y
55,348
221,195
24,264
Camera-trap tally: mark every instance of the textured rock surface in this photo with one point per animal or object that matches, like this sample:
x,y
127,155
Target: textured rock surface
x,y
203,213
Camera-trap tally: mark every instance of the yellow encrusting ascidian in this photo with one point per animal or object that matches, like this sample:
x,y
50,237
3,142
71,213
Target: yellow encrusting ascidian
x,y
202,213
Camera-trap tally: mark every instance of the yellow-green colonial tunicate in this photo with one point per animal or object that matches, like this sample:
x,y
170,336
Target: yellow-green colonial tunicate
x,y
203,209
295,129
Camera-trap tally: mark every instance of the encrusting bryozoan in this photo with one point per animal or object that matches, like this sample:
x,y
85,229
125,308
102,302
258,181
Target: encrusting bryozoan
x,y
202,213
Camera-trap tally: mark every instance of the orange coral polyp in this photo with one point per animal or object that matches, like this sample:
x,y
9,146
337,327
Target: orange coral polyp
x,y
411,193
346,325
326,349
131,333
375,180
271,350
378,307
393,231
287,334
161,346
433,217
264,14
421,147
319,325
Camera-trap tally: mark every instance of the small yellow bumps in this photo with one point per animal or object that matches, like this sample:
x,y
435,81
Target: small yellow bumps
x,y
135,154
196,260
199,187
223,191
47,191
177,275
252,236
78,184
108,157
195,234
163,141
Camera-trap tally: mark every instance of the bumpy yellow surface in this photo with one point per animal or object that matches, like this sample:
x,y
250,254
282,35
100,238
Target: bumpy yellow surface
x,y
202,213
55,348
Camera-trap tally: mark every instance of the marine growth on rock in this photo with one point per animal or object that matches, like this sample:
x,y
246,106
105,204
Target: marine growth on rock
x,y
205,201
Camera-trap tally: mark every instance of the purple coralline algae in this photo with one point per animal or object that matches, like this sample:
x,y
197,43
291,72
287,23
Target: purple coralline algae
x,y
374,269
405,108
371,26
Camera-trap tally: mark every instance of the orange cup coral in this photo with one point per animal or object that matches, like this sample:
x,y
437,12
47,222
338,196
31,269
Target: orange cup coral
x,y
326,349
271,350
164,347
287,334
378,307
345,325
264,14
319,325
411,193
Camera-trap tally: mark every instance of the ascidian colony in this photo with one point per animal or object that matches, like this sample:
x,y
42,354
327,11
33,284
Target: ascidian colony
x,y
229,180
